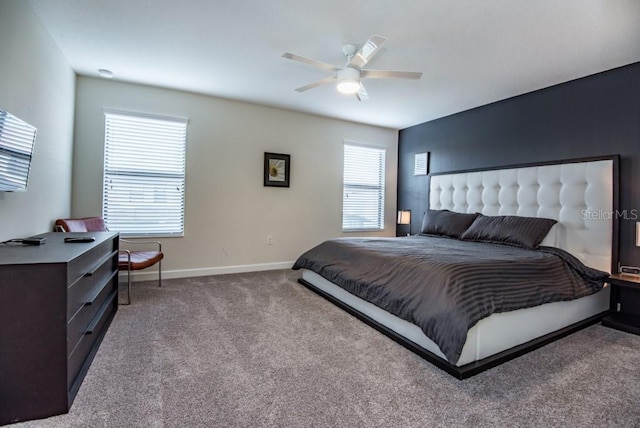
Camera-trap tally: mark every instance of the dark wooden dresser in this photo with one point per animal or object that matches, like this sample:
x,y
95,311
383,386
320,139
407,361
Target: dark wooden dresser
x,y
56,303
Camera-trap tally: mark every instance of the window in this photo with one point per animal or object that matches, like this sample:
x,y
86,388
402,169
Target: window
x,y
144,170
363,192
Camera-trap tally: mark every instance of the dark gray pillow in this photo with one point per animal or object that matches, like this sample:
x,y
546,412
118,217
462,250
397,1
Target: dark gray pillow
x,y
525,232
445,222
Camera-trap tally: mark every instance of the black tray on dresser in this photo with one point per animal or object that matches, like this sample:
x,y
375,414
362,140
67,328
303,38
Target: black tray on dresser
x,y
56,303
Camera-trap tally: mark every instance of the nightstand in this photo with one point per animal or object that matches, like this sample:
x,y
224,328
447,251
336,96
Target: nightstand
x,y
625,303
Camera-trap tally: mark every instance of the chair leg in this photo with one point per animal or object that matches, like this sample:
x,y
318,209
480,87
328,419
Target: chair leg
x,y
129,279
128,287
129,284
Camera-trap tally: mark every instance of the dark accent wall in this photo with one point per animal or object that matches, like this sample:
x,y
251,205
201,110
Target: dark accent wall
x,y
596,115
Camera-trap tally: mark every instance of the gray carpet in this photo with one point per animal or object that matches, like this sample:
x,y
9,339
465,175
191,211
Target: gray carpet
x,y
259,349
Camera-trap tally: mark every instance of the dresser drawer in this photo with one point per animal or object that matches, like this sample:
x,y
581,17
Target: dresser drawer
x,y
90,336
88,262
78,325
88,286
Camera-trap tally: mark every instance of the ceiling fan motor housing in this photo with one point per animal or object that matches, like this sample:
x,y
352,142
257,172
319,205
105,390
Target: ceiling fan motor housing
x,y
348,80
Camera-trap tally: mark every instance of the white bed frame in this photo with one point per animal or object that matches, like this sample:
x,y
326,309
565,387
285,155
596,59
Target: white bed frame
x,y
580,194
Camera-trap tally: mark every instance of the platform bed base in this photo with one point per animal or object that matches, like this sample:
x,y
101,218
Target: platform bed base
x,y
468,370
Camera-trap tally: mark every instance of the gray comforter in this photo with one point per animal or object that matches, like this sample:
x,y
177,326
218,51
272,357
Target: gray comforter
x,y
444,285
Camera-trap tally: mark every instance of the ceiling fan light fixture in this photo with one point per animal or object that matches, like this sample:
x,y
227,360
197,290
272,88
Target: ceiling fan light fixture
x,y
348,87
348,81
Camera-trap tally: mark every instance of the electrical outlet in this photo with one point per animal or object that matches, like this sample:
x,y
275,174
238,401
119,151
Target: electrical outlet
x,y
269,240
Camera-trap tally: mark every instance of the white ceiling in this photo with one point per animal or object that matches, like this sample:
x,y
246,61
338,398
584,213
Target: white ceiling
x,y
471,52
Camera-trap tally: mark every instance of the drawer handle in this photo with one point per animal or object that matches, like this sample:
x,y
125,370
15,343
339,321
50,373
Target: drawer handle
x,y
105,307
98,290
98,265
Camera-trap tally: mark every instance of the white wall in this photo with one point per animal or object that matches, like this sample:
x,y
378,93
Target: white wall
x,y
229,213
37,85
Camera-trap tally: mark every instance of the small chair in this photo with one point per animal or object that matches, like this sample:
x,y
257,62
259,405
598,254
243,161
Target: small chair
x,y
127,260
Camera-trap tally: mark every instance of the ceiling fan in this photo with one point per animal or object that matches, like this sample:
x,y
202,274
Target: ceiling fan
x,y
350,76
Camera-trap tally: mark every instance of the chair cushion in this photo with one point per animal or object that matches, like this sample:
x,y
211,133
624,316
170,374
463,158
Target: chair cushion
x,y
139,259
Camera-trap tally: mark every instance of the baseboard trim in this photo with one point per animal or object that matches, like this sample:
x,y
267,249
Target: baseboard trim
x,y
152,273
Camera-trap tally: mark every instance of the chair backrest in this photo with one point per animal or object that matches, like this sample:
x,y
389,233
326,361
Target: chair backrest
x,y
87,224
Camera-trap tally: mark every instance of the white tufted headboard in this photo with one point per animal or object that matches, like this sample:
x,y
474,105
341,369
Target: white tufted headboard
x,y
580,195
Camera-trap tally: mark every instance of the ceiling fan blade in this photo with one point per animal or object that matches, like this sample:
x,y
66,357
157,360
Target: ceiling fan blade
x,y
310,61
367,51
316,84
362,93
387,74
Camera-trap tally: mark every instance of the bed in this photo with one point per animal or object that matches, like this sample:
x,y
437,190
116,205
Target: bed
x,y
578,197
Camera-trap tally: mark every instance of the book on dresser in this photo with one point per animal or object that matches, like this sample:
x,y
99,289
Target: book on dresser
x,y
57,301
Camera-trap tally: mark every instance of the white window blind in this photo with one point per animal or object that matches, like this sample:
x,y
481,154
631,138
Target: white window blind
x,y
363,193
144,174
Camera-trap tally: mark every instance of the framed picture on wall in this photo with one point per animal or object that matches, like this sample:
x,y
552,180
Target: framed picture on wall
x,y
276,169
421,164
